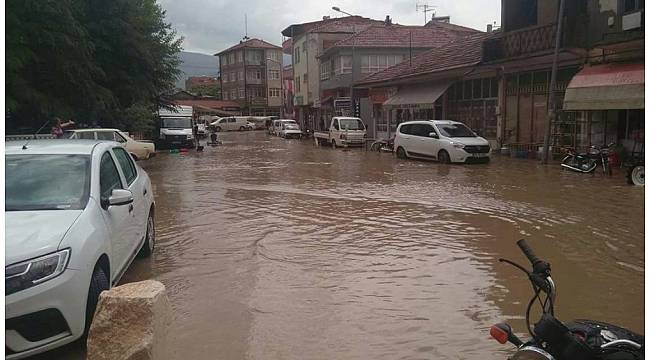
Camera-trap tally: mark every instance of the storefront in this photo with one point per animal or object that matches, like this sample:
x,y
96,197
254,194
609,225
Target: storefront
x,y
607,102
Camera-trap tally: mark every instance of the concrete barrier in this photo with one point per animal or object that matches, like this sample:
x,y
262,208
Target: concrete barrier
x,y
131,323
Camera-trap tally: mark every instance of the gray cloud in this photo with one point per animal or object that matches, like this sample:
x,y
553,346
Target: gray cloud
x,y
209,26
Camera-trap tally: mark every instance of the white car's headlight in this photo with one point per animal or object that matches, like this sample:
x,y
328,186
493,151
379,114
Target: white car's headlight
x,y
29,273
457,145
190,137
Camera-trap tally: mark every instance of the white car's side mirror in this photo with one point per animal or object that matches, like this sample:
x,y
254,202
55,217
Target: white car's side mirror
x,y
433,135
118,197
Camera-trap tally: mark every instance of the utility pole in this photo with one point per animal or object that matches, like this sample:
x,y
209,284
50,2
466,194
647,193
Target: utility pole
x,y
552,113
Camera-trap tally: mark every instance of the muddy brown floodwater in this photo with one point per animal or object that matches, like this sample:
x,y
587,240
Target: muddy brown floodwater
x,y
276,249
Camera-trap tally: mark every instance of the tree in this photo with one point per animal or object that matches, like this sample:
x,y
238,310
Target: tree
x,y
89,59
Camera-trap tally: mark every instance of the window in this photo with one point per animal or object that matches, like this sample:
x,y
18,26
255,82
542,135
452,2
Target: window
x,y
476,85
373,63
46,182
274,74
109,178
405,129
240,56
240,75
119,138
90,135
233,94
254,75
305,78
225,95
633,5
297,83
296,55
336,65
105,135
325,70
233,76
223,59
346,64
242,94
225,77
274,55
274,92
231,58
126,163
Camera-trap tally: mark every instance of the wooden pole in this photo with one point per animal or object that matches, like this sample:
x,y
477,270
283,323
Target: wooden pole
x,y
552,113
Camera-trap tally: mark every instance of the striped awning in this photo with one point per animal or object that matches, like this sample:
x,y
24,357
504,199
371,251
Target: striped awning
x,y
607,87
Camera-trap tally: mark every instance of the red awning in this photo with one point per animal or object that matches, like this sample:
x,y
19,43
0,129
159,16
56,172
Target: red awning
x,y
608,86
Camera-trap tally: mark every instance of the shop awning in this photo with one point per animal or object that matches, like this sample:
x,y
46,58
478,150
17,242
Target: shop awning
x,y
605,87
418,96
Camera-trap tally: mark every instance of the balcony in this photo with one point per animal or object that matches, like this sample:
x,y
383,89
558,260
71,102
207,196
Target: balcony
x,y
520,42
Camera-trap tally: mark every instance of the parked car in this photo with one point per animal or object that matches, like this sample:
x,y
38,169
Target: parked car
x,y
77,213
138,149
175,127
443,140
232,123
275,127
289,129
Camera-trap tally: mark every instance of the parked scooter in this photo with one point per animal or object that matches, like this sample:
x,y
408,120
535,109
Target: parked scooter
x,y
587,162
383,145
553,340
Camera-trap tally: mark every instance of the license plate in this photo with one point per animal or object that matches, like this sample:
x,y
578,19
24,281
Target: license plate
x,y
479,155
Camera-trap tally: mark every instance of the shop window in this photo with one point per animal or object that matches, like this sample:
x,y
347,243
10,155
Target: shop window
x,y
467,90
494,88
486,88
476,86
633,5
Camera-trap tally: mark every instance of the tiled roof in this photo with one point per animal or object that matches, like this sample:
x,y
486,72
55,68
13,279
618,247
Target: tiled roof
x,y
451,27
463,51
252,43
399,36
347,24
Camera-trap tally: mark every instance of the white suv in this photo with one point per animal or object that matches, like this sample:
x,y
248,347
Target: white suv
x,y
77,212
443,140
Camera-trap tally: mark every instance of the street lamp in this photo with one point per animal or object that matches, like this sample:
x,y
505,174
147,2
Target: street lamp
x,y
337,9
281,85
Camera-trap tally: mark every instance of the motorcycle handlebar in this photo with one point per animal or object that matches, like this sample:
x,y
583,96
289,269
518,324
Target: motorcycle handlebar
x,y
525,248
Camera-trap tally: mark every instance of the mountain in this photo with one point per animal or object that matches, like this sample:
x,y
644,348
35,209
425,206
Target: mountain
x,y
196,64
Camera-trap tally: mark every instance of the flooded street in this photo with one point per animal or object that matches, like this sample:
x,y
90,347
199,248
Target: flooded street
x,y
274,249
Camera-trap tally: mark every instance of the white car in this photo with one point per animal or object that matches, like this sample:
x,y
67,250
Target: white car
x,y
77,213
138,149
443,140
233,123
289,129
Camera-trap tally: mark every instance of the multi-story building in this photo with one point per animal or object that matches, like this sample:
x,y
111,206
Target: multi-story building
x,y
308,41
251,74
369,51
500,83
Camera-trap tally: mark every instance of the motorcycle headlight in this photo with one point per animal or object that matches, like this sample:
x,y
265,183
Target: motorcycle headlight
x,y
30,273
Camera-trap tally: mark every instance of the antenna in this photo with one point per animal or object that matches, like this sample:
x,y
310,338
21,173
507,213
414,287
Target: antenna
x,y
36,133
246,27
425,9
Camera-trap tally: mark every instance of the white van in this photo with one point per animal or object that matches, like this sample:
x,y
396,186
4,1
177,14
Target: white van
x,y
175,127
232,123
443,140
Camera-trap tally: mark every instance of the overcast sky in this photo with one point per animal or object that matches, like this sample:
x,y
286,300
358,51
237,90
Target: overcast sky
x,y
210,26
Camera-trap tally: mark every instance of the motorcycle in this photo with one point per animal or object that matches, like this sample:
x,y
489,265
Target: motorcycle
x,y
383,145
553,340
587,162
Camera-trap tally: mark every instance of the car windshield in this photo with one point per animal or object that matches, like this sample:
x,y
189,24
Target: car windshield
x,y
183,123
46,182
351,124
455,130
290,126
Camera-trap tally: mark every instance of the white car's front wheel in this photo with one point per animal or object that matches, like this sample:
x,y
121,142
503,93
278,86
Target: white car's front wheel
x,y
149,238
98,283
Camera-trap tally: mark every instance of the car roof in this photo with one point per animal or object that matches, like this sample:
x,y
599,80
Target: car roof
x,y
94,129
346,117
437,122
287,120
55,146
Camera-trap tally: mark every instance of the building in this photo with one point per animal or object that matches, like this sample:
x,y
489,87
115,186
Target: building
x,y
442,83
205,105
308,41
499,83
369,51
600,69
251,76
193,81
288,110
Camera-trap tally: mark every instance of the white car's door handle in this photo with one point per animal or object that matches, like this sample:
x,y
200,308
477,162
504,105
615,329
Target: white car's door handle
x,y
144,192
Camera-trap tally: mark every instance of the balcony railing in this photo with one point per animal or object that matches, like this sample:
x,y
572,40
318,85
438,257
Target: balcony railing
x,y
520,42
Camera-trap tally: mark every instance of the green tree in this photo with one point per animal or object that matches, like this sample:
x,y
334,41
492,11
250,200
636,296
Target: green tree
x,y
207,90
93,60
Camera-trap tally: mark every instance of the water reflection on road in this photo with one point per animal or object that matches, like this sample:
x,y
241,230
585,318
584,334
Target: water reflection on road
x,y
279,249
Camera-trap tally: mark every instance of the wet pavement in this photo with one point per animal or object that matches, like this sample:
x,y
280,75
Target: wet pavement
x,y
277,249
